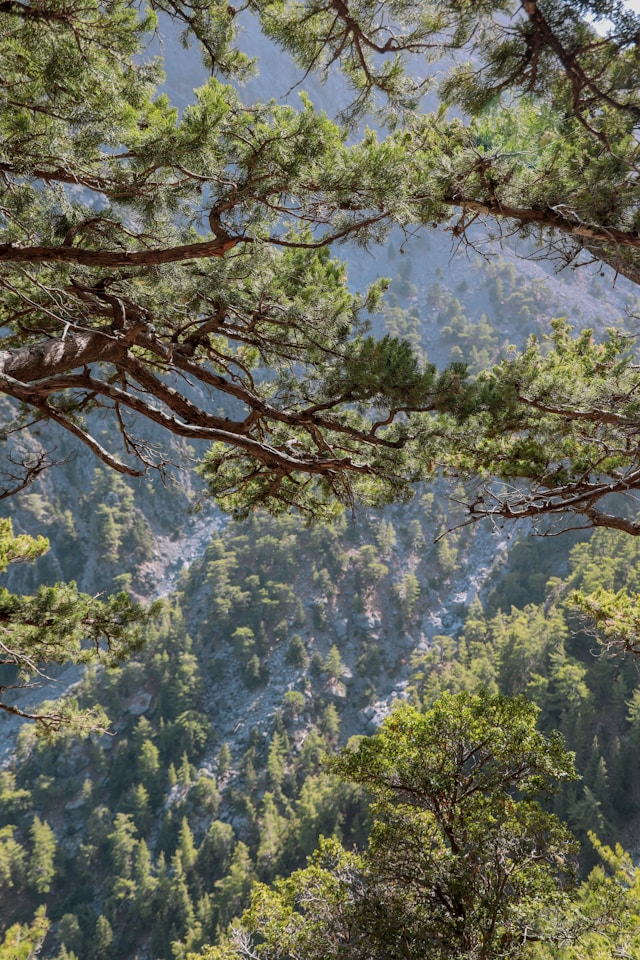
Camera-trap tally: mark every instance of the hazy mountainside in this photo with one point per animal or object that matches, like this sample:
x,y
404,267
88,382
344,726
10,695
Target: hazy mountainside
x,y
281,641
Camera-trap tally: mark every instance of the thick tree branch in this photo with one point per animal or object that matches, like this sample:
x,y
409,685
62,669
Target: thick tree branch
x,y
560,218
52,357
570,61
11,253
578,498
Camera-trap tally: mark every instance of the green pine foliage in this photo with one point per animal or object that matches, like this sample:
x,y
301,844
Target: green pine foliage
x,y
194,247
456,821
60,625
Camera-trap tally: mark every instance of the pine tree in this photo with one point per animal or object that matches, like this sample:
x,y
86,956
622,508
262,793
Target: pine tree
x,y
12,858
138,804
185,772
456,825
122,844
232,890
186,846
148,767
333,665
216,851
223,760
54,625
272,833
41,869
102,947
275,762
180,911
145,882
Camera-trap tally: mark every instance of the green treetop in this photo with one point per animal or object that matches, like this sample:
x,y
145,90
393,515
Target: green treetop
x,y
24,941
463,860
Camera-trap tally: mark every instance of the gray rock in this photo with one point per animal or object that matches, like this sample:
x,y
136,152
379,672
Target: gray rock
x,y
336,689
140,704
340,629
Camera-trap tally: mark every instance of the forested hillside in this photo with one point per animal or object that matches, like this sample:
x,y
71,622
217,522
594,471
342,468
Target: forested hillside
x,y
148,839
348,384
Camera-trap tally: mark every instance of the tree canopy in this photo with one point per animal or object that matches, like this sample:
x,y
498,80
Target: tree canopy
x,y
463,861
175,269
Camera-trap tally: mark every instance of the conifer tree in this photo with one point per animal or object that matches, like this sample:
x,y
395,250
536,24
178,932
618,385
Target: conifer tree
x,y
102,942
463,861
41,869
